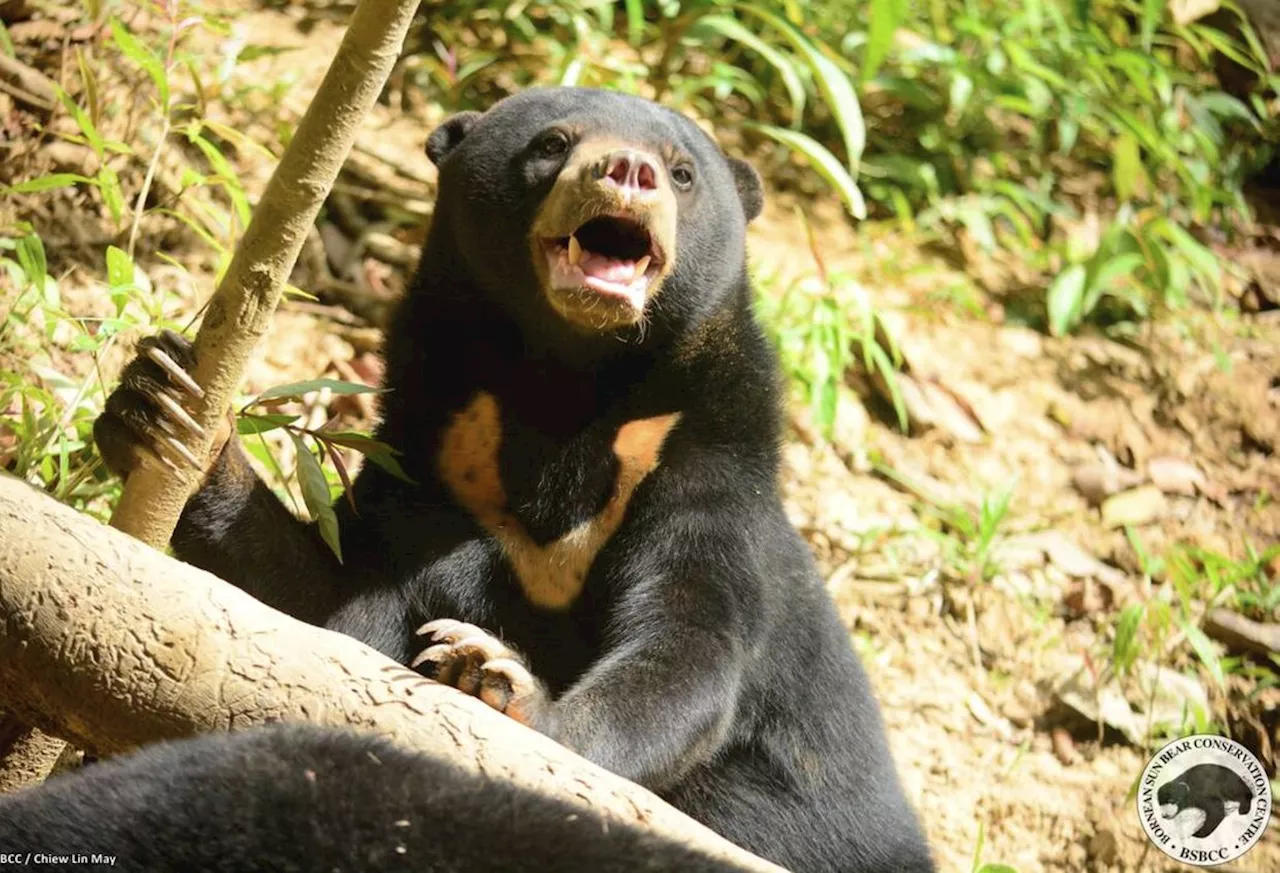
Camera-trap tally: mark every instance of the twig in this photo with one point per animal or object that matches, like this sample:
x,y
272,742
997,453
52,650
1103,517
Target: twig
x,y
140,206
27,85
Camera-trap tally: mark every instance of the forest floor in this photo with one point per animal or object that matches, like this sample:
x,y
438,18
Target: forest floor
x,y
991,653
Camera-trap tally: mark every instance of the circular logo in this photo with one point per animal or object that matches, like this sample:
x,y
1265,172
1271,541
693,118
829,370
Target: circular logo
x,y
1204,800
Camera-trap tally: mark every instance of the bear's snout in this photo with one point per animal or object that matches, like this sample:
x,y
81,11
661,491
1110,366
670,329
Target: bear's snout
x,y
634,173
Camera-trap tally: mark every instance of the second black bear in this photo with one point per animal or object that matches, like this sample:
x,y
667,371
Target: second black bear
x,y
592,417
289,799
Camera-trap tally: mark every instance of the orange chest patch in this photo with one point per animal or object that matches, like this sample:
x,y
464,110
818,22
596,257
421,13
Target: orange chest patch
x,y
551,575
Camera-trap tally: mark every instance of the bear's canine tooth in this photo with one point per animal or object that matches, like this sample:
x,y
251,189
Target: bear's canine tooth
x,y
575,250
642,265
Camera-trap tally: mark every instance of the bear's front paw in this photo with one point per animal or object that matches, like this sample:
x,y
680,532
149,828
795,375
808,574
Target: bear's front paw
x,y
149,410
476,663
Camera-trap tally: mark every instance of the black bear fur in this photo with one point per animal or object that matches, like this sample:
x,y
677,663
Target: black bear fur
x,y
698,654
302,798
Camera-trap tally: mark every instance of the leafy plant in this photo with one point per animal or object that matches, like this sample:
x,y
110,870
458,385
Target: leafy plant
x,y
1143,259
309,473
823,325
711,50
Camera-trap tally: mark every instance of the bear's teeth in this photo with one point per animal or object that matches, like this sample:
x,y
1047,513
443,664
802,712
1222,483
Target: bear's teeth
x,y
642,265
575,250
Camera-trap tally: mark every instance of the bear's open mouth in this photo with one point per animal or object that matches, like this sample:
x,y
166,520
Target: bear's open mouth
x,y
611,255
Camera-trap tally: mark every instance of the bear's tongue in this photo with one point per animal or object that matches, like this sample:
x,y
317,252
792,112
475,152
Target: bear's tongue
x,y
609,269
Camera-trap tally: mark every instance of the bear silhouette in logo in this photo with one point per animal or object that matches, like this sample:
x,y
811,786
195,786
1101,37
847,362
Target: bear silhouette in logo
x,y
1207,788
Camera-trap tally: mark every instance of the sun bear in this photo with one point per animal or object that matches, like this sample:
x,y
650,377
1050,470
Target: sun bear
x,y
593,541
301,798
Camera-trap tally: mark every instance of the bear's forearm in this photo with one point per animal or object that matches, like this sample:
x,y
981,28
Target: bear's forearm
x,y
653,712
237,529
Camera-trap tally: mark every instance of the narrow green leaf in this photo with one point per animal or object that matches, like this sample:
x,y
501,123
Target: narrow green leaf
x,y
144,58
1206,653
885,16
1201,258
315,493
1066,299
83,121
1124,648
731,28
832,82
376,451
251,423
90,82
295,390
31,257
1126,168
880,360
635,22
823,161
112,194
49,182
1152,13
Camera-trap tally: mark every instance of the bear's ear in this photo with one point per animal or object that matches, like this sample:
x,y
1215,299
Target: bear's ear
x,y
446,137
750,188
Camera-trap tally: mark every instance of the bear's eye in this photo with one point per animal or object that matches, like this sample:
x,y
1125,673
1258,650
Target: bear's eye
x,y
553,143
682,176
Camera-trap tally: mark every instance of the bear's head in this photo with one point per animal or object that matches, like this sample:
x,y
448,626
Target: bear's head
x,y
591,210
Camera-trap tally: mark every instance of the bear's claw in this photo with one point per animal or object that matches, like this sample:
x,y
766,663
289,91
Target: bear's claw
x,y
477,663
145,414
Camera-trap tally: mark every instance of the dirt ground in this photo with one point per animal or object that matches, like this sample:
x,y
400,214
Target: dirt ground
x,y
970,673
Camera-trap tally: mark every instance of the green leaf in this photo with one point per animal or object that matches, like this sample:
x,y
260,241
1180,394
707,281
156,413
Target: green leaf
x,y
31,257
1127,172
84,122
1226,106
821,160
315,493
1201,258
1104,279
997,868
978,223
49,182
885,16
112,195
144,58
960,91
295,390
1066,300
119,268
731,28
635,21
252,423
880,360
224,171
832,82
375,451
90,82
1124,649
1206,653
361,442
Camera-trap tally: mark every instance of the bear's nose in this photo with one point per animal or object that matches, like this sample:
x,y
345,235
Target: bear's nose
x,y
632,171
